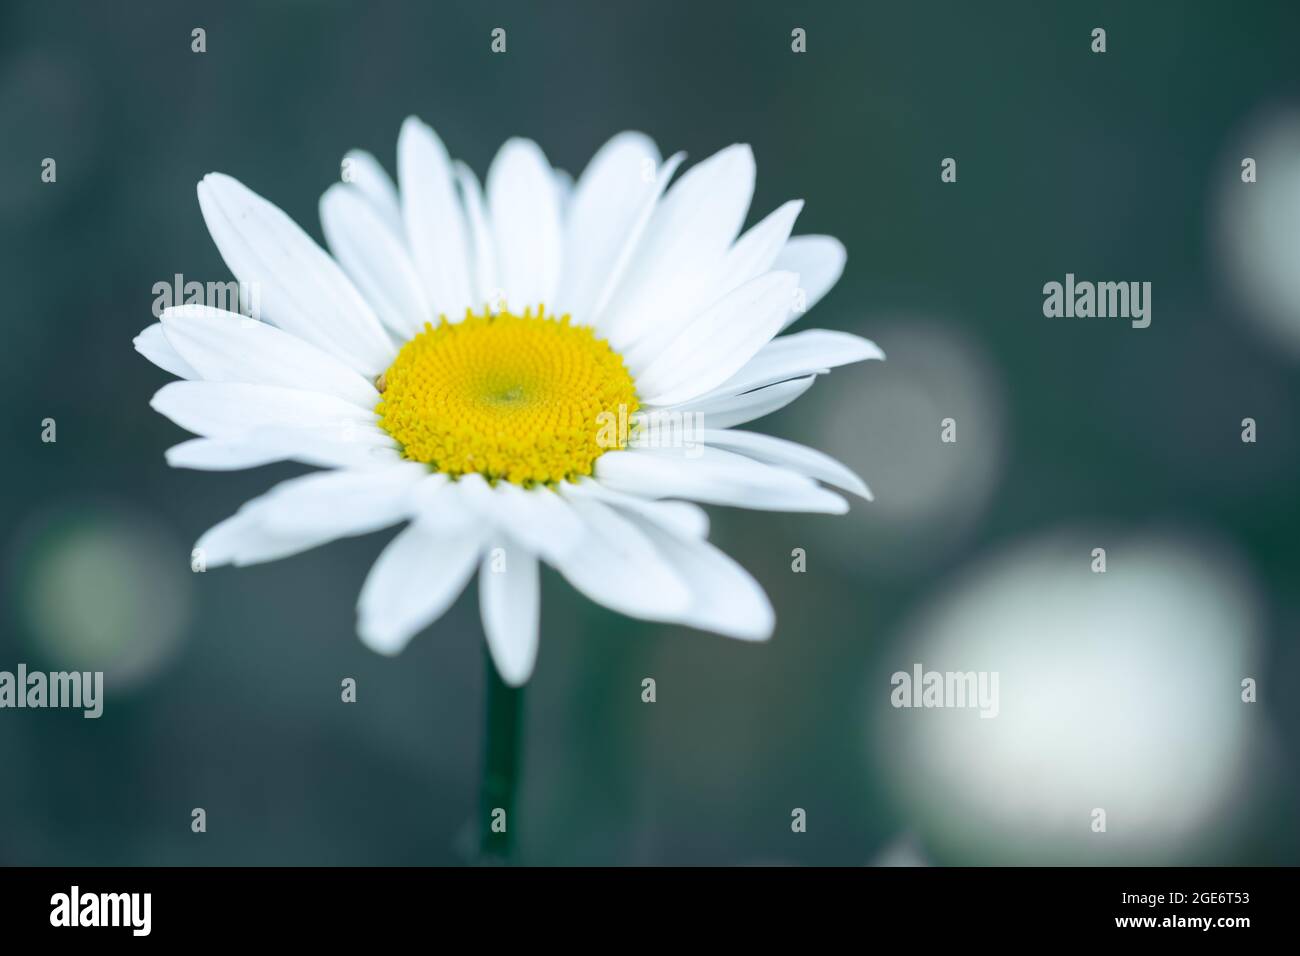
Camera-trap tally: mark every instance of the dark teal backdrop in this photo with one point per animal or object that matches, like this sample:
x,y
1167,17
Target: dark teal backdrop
x,y
227,692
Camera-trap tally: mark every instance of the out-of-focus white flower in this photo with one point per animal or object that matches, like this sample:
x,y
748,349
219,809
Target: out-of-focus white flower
x,y
1118,691
1259,227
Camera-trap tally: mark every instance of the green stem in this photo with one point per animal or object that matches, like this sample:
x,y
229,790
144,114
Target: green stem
x,y
504,710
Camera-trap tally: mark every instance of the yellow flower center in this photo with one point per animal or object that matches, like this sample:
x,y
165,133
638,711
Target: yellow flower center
x,y
526,398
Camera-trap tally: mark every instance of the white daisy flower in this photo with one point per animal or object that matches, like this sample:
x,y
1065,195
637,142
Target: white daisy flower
x,y
483,363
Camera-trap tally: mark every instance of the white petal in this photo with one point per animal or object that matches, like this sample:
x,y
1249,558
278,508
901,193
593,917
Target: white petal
x,y
372,181
441,504
722,410
152,344
536,517
679,578
342,502
435,223
525,215
298,286
787,454
508,599
755,251
226,347
364,447
718,343
214,454
681,517
305,512
716,477
619,567
725,599
357,446
631,243
375,258
616,192
683,246
241,540
482,249
819,260
750,257
230,409
813,351
416,578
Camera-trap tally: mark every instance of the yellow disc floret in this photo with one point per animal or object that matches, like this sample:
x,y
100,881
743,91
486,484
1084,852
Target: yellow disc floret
x,y
531,399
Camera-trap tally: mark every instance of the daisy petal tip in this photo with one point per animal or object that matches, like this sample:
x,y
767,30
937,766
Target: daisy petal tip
x,y
216,181
382,640
177,455
736,159
515,677
412,122
827,502
858,349
741,155
855,485
756,631
835,254
216,545
153,344
333,190
414,128
158,404
872,351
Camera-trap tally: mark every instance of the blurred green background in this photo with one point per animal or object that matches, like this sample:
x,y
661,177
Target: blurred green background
x,y
223,687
